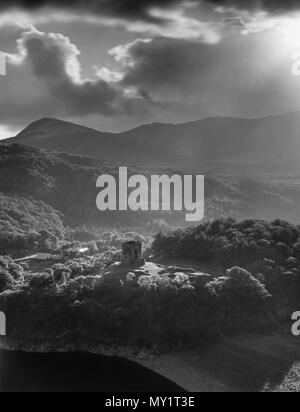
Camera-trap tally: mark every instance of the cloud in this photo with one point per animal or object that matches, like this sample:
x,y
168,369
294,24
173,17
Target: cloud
x,y
160,64
131,9
139,9
239,76
157,78
179,25
275,6
206,21
54,60
45,77
173,23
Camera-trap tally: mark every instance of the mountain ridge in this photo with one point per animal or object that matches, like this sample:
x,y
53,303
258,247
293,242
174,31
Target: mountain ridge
x,y
219,141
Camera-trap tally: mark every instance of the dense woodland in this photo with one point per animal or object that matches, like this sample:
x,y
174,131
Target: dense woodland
x,y
23,220
66,184
48,204
82,301
269,251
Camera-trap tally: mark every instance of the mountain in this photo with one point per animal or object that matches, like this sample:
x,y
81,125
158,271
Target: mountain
x,y
224,143
63,136
212,144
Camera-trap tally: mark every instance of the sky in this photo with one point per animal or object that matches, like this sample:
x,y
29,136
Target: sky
x,y
116,64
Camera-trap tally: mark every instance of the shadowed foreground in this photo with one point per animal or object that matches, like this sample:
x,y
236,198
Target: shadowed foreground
x,y
76,372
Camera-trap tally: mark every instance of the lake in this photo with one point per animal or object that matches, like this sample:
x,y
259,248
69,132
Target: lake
x,y
76,372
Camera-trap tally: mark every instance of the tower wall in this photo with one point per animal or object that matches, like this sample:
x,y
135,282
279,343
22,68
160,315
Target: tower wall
x,y
132,254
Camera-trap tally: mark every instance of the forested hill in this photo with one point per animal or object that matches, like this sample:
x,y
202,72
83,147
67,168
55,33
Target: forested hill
x,y
219,144
64,181
67,183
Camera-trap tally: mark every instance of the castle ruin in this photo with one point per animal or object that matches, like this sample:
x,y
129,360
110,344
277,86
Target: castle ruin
x,y
132,254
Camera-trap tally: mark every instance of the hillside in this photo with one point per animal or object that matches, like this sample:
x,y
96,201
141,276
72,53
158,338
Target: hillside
x,y
121,309
62,136
68,183
23,219
212,144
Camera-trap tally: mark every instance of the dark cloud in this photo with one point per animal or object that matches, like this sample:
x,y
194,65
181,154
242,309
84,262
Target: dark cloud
x,y
240,76
164,63
47,80
138,9
132,9
50,56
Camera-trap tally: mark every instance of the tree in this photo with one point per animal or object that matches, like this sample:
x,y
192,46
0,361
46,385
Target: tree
x,y
61,274
239,284
42,281
93,248
16,271
6,281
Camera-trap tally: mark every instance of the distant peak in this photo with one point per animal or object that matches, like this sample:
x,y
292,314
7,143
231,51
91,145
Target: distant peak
x,y
48,126
47,121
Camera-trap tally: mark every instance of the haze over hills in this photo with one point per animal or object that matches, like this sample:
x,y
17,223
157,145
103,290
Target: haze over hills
x,y
63,136
218,143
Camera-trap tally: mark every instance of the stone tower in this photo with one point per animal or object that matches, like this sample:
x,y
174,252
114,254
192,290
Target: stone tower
x,y
132,254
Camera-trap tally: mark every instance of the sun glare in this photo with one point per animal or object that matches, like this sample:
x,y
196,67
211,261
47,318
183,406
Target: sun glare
x,y
290,28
